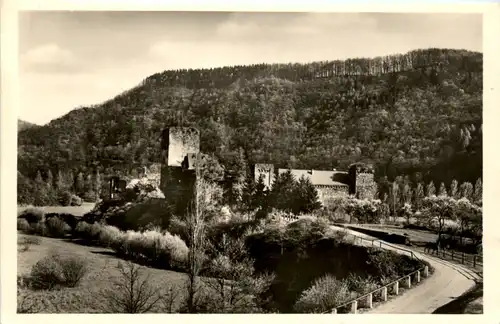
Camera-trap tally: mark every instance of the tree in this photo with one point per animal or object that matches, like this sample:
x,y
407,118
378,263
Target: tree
x,y
466,190
61,182
260,198
98,184
454,189
442,190
439,209
282,192
477,196
132,293
196,230
247,194
406,193
406,212
418,196
305,198
394,198
80,184
431,189
50,180
236,286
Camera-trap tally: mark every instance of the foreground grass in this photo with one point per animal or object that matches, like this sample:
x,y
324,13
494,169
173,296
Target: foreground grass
x,y
75,210
84,298
470,302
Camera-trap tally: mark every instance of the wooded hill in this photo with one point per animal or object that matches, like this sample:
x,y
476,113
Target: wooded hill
x,y
418,114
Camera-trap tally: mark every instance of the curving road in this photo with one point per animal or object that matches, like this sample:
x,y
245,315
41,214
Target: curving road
x,y
448,281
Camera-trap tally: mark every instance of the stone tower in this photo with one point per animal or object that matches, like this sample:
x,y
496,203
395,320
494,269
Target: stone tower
x,y
363,184
267,171
177,181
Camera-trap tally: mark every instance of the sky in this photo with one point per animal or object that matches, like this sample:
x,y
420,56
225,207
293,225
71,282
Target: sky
x,y
71,59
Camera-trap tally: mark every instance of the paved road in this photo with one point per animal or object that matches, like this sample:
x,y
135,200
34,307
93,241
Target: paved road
x,y
448,281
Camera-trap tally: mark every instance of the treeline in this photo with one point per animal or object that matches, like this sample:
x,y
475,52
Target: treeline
x,y
66,188
426,125
403,192
432,61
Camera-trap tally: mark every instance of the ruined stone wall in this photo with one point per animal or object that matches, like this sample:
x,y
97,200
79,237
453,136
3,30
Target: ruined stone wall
x,y
177,142
366,187
176,183
267,171
327,192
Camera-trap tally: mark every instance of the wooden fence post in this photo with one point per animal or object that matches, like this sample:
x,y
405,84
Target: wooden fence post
x,y
354,307
418,276
408,282
384,294
426,271
396,288
474,261
369,301
463,258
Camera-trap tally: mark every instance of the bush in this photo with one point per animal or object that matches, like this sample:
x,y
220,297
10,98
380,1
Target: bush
x,y
325,294
56,227
65,198
82,230
73,270
32,215
46,274
109,236
23,225
76,201
54,270
39,229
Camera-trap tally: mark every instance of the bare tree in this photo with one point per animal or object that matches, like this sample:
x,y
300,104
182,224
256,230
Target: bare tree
x,y
196,229
132,293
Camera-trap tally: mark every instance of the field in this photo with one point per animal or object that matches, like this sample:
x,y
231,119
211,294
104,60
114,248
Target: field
x,y
75,210
84,298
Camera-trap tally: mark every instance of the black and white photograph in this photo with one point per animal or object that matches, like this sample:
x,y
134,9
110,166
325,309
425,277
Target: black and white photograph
x,y
231,162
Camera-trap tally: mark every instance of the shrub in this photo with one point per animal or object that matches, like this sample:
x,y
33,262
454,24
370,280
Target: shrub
x,y
64,198
361,285
73,270
109,235
76,201
325,294
90,196
57,227
82,230
69,219
54,270
32,215
132,292
23,225
39,229
46,274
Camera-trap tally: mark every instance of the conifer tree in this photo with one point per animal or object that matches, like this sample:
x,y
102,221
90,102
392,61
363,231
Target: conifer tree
x,y
478,192
418,196
442,190
466,190
431,189
454,189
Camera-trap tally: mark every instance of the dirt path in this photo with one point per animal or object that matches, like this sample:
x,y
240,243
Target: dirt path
x,y
448,282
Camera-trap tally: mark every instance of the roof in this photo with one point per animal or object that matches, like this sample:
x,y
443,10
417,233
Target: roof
x,y
320,177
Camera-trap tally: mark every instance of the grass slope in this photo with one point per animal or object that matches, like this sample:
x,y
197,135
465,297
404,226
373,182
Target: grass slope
x,y
85,297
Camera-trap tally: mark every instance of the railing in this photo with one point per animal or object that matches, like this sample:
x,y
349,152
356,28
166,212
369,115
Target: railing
x,y
469,259
382,291
368,297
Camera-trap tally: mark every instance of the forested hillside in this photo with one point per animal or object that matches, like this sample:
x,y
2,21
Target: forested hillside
x,y
22,125
418,114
